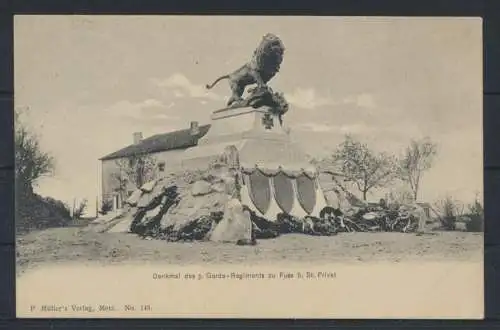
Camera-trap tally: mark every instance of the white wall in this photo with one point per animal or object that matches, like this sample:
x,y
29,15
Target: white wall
x,y
172,158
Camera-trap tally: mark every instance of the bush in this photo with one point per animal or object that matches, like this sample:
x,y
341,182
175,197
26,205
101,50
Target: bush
x,y
476,223
476,215
448,211
80,209
106,206
56,205
36,212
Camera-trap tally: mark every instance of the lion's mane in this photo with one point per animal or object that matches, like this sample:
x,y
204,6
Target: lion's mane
x,y
268,56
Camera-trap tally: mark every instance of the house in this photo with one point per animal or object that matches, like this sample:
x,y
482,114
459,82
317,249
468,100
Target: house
x,y
165,148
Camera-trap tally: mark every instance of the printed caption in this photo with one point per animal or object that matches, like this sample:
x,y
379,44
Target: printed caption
x,y
323,275
85,308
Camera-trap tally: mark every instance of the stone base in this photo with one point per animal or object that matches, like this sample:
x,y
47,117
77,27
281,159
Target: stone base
x,y
257,134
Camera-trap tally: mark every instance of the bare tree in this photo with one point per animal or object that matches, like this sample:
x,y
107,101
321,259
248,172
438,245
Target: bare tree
x,y
363,167
418,158
31,162
136,169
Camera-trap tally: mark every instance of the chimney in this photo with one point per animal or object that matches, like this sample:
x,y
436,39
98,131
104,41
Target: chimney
x,y
137,137
194,129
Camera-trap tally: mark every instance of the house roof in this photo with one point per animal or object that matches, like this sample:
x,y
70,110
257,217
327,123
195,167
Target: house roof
x,y
161,142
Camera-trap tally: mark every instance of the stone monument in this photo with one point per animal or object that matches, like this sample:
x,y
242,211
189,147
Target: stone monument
x,y
275,175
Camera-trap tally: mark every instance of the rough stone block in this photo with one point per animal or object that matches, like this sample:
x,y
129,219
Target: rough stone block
x,y
134,198
201,188
235,226
148,186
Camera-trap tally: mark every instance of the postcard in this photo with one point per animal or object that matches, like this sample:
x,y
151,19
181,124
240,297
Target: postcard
x,y
248,167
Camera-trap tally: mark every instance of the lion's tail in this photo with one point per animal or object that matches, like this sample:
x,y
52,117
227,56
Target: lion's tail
x,y
216,81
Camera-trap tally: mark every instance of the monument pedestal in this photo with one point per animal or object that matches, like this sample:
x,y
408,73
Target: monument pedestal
x,y
244,128
277,177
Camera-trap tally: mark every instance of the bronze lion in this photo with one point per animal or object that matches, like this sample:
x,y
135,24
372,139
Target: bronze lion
x,y
264,65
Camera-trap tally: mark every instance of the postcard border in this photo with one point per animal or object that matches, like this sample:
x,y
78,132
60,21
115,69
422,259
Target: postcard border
x,y
491,86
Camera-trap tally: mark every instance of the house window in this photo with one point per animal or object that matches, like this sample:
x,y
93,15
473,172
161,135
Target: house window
x,y
161,166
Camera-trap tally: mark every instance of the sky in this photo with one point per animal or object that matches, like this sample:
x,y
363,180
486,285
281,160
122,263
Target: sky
x,y
87,83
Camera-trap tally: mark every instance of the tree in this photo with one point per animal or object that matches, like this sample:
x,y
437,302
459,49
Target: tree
x,y
417,158
362,166
31,163
135,169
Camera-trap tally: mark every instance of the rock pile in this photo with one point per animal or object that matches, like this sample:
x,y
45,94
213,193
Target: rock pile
x,y
201,205
205,205
404,218
348,213
188,205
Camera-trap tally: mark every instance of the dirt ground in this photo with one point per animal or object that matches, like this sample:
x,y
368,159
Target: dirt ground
x,y
59,245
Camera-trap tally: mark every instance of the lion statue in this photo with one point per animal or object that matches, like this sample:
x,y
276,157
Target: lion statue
x,y
263,66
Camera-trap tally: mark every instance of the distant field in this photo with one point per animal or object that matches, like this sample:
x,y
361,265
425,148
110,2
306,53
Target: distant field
x,y
60,245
